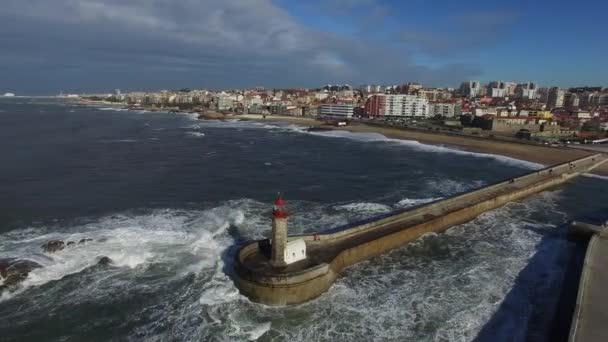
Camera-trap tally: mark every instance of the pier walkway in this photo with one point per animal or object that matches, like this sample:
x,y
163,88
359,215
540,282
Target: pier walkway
x,y
327,253
590,320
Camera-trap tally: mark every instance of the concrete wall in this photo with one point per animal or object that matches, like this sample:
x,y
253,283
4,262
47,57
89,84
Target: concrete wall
x,y
298,287
500,126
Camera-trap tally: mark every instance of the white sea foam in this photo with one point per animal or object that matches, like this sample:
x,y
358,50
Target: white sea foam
x,y
411,202
447,187
131,242
376,137
442,286
192,127
258,331
591,175
196,134
364,208
122,141
116,109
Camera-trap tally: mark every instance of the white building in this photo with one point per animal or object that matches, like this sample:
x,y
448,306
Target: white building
x,y
405,105
471,88
555,98
498,89
255,100
225,102
320,96
295,250
340,110
526,90
445,109
497,92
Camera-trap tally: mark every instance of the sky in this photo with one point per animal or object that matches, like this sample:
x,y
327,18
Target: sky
x,y
98,45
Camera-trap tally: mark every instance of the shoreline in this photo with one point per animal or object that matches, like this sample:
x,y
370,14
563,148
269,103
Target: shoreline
x,y
540,154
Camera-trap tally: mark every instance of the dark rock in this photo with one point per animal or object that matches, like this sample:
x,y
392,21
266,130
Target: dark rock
x,y
15,279
83,241
4,265
71,243
104,261
53,246
14,271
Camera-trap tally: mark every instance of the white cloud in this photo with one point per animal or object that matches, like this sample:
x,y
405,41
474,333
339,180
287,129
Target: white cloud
x,y
222,41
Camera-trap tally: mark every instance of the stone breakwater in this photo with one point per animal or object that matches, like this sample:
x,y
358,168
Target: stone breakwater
x,y
329,253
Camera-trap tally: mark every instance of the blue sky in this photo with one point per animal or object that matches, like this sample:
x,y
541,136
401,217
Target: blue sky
x,y
98,45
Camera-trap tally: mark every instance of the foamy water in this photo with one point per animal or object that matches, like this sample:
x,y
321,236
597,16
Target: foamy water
x,y
443,286
170,213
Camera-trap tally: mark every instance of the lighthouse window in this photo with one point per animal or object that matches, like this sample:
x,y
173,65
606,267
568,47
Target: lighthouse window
x,y
302,252
294,254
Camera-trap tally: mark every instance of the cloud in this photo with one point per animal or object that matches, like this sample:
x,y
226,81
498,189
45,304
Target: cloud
x,y
463,32
103,44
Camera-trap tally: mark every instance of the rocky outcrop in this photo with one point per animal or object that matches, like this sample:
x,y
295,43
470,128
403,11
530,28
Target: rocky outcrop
x,y
104,261
53,246
59,245
15,271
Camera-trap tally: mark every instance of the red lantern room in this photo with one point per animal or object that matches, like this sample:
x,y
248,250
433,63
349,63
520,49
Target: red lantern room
x,y
279,208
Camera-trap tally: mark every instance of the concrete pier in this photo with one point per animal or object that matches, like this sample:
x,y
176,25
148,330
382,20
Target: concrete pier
x,y
329,253
589,322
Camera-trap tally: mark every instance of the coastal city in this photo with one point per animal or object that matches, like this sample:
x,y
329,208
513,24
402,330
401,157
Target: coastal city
x,y
319,170
498,109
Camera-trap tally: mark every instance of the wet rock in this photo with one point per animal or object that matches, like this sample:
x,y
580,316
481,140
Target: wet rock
x,y
14,279
14,271
4,265
84,241
71,243
53,246
104,261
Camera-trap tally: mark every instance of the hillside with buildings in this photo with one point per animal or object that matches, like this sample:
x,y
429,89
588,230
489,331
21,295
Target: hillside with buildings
x,y
496,109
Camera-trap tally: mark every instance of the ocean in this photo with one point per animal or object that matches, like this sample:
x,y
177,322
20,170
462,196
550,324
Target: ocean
x,y
168,198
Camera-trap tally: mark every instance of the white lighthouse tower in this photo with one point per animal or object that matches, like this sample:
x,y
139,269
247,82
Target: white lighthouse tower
x,y
284,252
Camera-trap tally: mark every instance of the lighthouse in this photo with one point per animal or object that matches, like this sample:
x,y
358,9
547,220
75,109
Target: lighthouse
x,y
279,233
284,252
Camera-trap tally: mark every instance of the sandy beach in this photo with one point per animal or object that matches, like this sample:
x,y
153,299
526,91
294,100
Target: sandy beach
x,y
546,155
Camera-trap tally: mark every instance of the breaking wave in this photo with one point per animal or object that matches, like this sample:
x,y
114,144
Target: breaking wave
x,y
412,202
364,208
377,137
196,134
116,109
442,286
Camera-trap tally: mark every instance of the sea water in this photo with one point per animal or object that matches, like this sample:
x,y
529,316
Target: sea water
x,y
168,198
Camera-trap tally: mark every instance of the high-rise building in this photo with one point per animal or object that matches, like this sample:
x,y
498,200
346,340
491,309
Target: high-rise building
x,y
555,98
470,89
571,100
510,86
397,106
525,90
498,89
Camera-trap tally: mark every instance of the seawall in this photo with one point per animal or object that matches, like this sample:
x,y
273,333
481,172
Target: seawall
x,y
329,253
590,313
